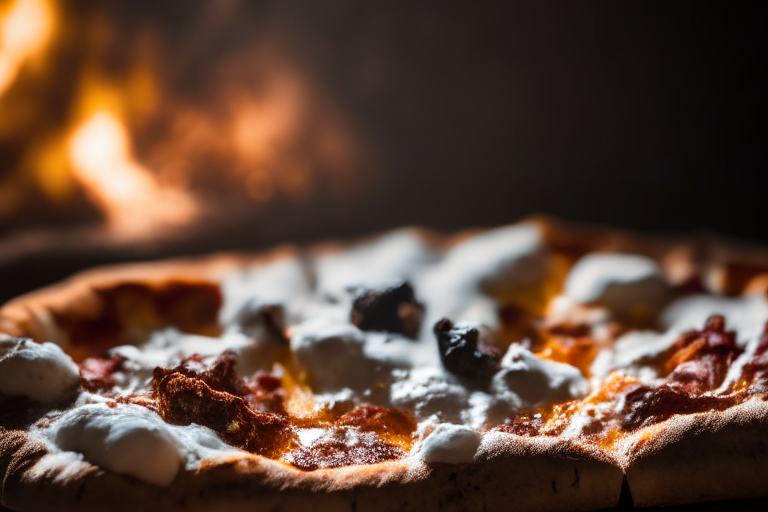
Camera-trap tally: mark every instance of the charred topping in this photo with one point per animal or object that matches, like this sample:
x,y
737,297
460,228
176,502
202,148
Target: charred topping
x,y
263,392
461,354
390,308
245,414
221,376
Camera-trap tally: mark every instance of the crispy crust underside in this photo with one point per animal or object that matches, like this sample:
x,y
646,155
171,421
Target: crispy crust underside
x,y
510,473
700,457
712,456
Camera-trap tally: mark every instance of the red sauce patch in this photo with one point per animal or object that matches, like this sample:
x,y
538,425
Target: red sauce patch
x,y
265,394
190,305
699,360
345,446
570,330
756,371
96,374
645,406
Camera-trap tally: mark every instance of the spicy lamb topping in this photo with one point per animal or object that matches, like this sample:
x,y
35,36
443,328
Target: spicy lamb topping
x,y
699,360
697,364
214,398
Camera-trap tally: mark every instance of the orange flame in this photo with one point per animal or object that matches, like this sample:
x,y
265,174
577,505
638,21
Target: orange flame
x,y
130,197
146,156
25,29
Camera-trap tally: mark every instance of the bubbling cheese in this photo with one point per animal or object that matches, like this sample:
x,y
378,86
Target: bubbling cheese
x,y
42,372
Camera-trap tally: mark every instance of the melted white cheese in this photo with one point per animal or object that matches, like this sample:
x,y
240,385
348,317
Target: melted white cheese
x,y
430,391
631,351
131,440
42,372
126,439
621,282
536,381
334,356
451,444
282,282
503,258
396,255
344,364
524,380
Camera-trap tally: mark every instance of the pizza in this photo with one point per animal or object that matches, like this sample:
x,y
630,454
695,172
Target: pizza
x,y
536,366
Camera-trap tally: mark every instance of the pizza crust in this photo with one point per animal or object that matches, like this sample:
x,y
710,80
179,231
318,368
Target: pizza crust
x,y
700,457
509,472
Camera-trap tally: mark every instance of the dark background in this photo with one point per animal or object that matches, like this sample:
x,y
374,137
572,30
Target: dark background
x,y
641,115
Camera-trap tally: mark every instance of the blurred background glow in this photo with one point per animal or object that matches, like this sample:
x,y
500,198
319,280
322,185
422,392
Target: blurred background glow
x,y
134,130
